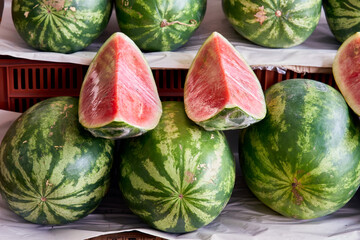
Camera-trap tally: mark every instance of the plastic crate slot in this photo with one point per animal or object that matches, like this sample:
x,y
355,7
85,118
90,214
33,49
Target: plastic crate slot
x,y
23,78
74,78
60,79
30,78
167,78
38,79
15,79
53,78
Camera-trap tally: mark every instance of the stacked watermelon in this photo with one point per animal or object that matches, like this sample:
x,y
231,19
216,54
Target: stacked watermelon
x,y
178,177
303,159
275,24
60,26
343,17
157,25
52,171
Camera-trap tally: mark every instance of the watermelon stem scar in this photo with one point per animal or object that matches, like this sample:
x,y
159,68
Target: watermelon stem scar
x,y
298,198
165,23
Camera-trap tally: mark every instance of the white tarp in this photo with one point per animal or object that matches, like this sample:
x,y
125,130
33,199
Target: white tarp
x,y
315,54
244,217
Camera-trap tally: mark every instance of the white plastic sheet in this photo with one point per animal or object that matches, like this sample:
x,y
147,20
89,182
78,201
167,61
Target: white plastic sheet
x,y
244,217
315,54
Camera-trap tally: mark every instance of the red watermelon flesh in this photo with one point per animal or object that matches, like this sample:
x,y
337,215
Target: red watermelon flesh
x,y
119,97
221,90
346,71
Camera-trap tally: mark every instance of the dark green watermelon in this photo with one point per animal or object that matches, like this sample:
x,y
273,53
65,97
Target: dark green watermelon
x,y
177,177
272,23
343,17
156,25
303,159
52,171
63,26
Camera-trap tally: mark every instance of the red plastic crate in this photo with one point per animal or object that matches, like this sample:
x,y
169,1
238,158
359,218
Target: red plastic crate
x,y
25,82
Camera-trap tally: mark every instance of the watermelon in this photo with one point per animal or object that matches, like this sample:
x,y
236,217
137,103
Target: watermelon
x,y
303,159
275,24
118,97
52,171
177,177
60,26
346,71
221,91
157,25
343,17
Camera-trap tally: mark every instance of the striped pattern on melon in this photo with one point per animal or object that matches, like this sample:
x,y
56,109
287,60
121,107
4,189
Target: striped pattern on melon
x,y
303,159
270,23
156,25
177,177
343,17
52,171
60,26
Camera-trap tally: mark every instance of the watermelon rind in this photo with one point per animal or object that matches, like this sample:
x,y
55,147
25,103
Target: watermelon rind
x,y
156,25
60,26
52,171
232,115
303,159
117,127
229,119
343,17
177,177
345,70
273,24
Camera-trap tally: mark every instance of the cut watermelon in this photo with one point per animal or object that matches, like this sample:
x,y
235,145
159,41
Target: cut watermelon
x,y
119,98
346,71
221,91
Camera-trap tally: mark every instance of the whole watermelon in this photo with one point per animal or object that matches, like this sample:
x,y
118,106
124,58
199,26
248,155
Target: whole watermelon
x,y
52,171
343,17
63,26
303,159
177,177
157,25
275,24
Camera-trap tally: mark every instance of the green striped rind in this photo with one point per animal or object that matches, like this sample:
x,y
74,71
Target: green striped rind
x,y
297,22
60,26
302,160
229,118
177,177
141,21
117,130
343,17
47,154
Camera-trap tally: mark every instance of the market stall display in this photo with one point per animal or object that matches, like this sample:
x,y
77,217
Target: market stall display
x,y
243,216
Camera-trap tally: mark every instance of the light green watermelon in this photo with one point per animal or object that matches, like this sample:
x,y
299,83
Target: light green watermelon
x,y
303,159
52,171
177,177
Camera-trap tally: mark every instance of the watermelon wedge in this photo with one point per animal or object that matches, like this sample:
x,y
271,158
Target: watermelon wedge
x,y
221,91
118,97
346,71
